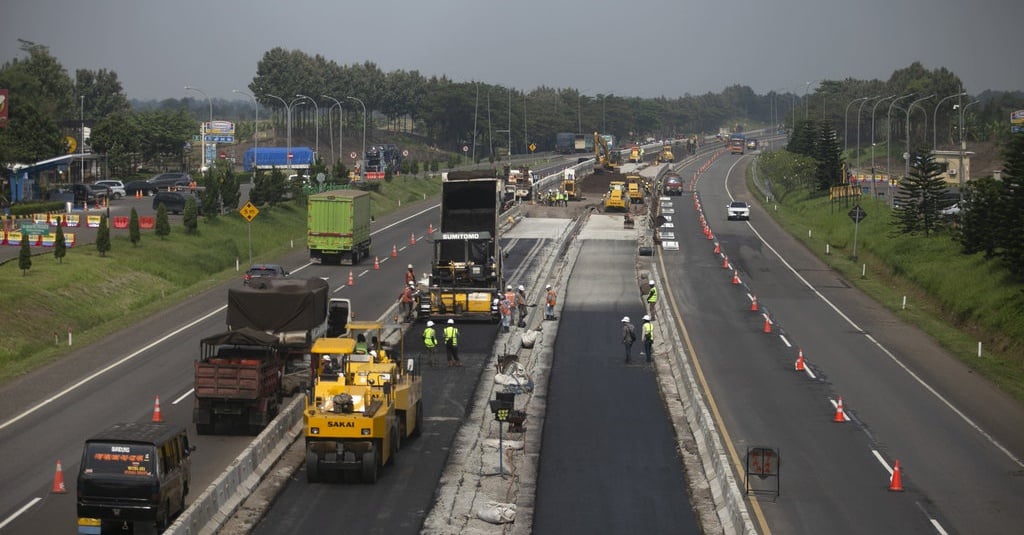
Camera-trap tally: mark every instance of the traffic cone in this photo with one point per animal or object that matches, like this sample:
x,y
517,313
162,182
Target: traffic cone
x,y
711,235
725,261
767,324
412,239
895,481
351,281
58,480
157,417
717,248
430,228
799,364
839,416
376,263
735,277
394,251
753,303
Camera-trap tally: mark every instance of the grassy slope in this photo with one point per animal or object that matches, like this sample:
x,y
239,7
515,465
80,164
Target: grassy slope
x,y
94,296
959,300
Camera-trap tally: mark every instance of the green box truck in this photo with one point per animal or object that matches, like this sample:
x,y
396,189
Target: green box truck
x,y
338,230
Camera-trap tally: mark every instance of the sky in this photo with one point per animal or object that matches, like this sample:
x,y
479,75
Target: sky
x,y
639,48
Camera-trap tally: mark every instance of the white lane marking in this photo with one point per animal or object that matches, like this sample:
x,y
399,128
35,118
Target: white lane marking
x,y
18,513
184,396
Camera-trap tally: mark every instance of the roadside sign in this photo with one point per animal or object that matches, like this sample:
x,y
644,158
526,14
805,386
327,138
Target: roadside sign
x,y
249,211
1017,117
405,153
533,147
35,229
465,148
857,214
352,155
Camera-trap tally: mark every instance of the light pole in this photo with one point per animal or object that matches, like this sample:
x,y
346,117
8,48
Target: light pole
x,y
579,115
288,111
340,131
859,110
963,147
203,129
81,150
316,125
935,119
807,87
888,134
846,123
604,117
910,108
256,132
363,154
873,108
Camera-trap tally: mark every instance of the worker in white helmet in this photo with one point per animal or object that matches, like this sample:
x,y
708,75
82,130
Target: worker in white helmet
x,y
652,299
430,342
521,305
628,337
410,275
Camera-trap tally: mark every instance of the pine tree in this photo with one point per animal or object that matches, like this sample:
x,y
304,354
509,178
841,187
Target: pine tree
x,y
190,216
803,139
979,231
163,226
919,196
24,255
210,196
829,170
1011,209
103,236
60,244
133,228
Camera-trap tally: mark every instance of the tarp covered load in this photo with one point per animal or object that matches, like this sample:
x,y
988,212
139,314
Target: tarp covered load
x,y
241,337
278,304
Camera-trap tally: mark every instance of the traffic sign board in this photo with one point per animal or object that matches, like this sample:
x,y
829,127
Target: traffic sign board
x,y
857,214
465,148
533,147
352,155
405,153
249,211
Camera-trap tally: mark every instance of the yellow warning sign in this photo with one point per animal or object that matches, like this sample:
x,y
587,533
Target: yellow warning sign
x,y
249,211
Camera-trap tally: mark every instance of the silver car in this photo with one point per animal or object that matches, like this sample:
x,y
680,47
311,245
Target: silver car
x,y
115,187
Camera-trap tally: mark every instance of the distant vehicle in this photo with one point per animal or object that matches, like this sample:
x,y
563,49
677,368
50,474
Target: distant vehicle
x,y
737,143
738,210
263,270
752,144
84,193
136,186
565,142
114,187
173,201
672,185
170,181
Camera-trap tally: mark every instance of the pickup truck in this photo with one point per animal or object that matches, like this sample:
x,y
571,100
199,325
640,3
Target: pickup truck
x,y
738,210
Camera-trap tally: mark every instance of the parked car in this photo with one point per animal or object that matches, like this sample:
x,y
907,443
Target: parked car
x,y
165,181
115,188
173,201
134,187
263,270
84,193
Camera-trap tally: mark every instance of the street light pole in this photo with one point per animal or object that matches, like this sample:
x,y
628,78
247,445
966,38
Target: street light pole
x,y
888,135
363,154
963,146
203,129
860,109
340,131
935,120
316,125
256,132
579,115
807,87
846,123
81,150
873,108
288,111
910,108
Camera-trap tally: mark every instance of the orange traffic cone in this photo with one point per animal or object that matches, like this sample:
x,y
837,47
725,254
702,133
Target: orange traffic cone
x,y
157,417
717,248
725,261
839,416
376,263
895,482
753,303
394,251
351,281
735,277
58,481
799,364
711,235
767,324
430,228
412,239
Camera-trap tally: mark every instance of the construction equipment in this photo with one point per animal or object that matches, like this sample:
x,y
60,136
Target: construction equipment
x,y
666,156
615,199
569,184
466,275
635,187
363,404
634,154
338,228
604,156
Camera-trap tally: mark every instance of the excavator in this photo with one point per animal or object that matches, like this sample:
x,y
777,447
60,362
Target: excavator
x,y
604,157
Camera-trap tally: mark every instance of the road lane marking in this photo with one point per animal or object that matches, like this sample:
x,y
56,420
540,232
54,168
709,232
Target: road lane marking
x,y
19,512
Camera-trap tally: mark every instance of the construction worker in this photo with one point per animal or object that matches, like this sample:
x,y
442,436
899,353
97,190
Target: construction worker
x,y
652,299
451,343
549,303
628,337
430,342
647,331
521,305
511,297
408,299
410,275
361,347
505,308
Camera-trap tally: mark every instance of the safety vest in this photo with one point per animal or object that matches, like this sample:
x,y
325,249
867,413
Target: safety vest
x,y
407,295
451,336
506,307
648,331
429,337
410,277
652,295
551,298
511,297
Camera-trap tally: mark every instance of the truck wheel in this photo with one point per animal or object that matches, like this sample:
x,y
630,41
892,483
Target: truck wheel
x,y
370,466
312,467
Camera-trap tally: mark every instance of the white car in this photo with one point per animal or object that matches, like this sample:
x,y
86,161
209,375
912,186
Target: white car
x,y
738,210
116,188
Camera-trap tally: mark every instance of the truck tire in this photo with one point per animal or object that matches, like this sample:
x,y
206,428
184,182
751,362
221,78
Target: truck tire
x,y
312,467
369,471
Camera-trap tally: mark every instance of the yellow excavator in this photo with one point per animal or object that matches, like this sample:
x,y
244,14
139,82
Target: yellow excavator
x,y
604,157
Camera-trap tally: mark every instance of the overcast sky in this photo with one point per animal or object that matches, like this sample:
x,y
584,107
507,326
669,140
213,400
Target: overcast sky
x,y
644,48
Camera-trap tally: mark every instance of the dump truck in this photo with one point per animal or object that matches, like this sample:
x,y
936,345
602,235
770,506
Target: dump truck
x,y
338,226
237,382
565,142
616,198
296,311
737,143
465,275
364,403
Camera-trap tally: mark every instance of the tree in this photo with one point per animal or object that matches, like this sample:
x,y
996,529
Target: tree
x,y
190,217
209,198
103,236
163,226
1011,208
230,189
979,231
60,244
134,235
24,255
803,139
920,195
827,153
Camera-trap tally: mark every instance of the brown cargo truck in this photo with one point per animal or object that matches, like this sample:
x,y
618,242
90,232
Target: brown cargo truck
x,y
237,382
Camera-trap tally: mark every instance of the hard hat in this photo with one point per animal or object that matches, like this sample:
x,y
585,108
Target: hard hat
x,y
521,289
548,287
411,283
430,323
650,282
647,318
625,319
451,321
410,266
373,353
509,287
326,357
